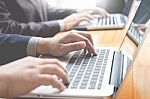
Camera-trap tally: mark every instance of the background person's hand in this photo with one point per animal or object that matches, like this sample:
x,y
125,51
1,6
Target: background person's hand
x,y
22,76
63,44
74,20
140,26
95,11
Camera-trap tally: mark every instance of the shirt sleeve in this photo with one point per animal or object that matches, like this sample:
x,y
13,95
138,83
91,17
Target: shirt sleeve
x,y
12,47
61,25
147,23
32,46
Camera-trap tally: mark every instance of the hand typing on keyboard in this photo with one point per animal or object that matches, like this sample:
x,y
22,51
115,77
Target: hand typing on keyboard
x,y
83,15
94,11
61,45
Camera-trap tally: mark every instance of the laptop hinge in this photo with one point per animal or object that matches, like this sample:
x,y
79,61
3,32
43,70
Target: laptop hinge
x,y
117,69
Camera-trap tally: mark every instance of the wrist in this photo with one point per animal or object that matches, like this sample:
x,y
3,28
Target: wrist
x,y
3,84
43,46
65,25
3,93
62,25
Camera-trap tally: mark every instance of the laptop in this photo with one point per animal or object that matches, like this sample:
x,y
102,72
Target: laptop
x,y
112,21
91,76
135,34
137,52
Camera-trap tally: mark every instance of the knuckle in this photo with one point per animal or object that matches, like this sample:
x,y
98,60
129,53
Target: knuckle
x,y
42,61
89,35
86,40
56,61
64,75
72,32
52,79
76,46
31,64
29,58
55,68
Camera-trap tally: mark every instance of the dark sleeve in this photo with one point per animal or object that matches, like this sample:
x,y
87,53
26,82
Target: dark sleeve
x,y
9,25
57,13
12,47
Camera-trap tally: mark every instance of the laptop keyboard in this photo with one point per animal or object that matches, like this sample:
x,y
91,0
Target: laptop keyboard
x,y
135,34
108,20
85,71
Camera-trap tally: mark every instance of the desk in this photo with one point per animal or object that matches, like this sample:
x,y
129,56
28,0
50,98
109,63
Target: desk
x,y
137,82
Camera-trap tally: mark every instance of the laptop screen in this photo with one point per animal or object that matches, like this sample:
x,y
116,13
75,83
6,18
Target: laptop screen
x,y
126,7
140,23
143,13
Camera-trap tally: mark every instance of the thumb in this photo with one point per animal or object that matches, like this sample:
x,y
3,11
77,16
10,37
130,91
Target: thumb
x,y
75,46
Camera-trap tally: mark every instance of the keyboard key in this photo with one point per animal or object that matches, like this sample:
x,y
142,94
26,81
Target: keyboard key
x,y
87,69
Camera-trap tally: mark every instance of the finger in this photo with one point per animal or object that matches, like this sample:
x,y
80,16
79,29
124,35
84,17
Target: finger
x,y
105,13
87,36
45,79
77,37
85,50
89,16
73,36
81,19
54,69
73,46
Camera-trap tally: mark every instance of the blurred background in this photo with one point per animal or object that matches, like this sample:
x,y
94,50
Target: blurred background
x,y
112,6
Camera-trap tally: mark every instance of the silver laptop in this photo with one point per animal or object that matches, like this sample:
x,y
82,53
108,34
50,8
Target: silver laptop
x,y
112,21
91,76
135,34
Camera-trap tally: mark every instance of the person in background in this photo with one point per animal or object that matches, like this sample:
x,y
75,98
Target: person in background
x,y
37,18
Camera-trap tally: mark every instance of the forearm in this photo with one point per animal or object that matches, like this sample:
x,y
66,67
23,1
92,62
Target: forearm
x,y
42,29
12,47
56,13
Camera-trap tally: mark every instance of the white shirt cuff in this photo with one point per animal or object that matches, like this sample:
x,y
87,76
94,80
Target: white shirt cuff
x,y
147,23
62,25
32,46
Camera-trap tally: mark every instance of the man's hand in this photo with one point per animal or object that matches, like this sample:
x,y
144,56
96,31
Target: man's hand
x,y
82,15
97,11
74,19
22,76
63,44
140,26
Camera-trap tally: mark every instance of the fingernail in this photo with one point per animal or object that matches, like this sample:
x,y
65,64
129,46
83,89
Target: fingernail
x,y
68,81
62,88
95,52
83,44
